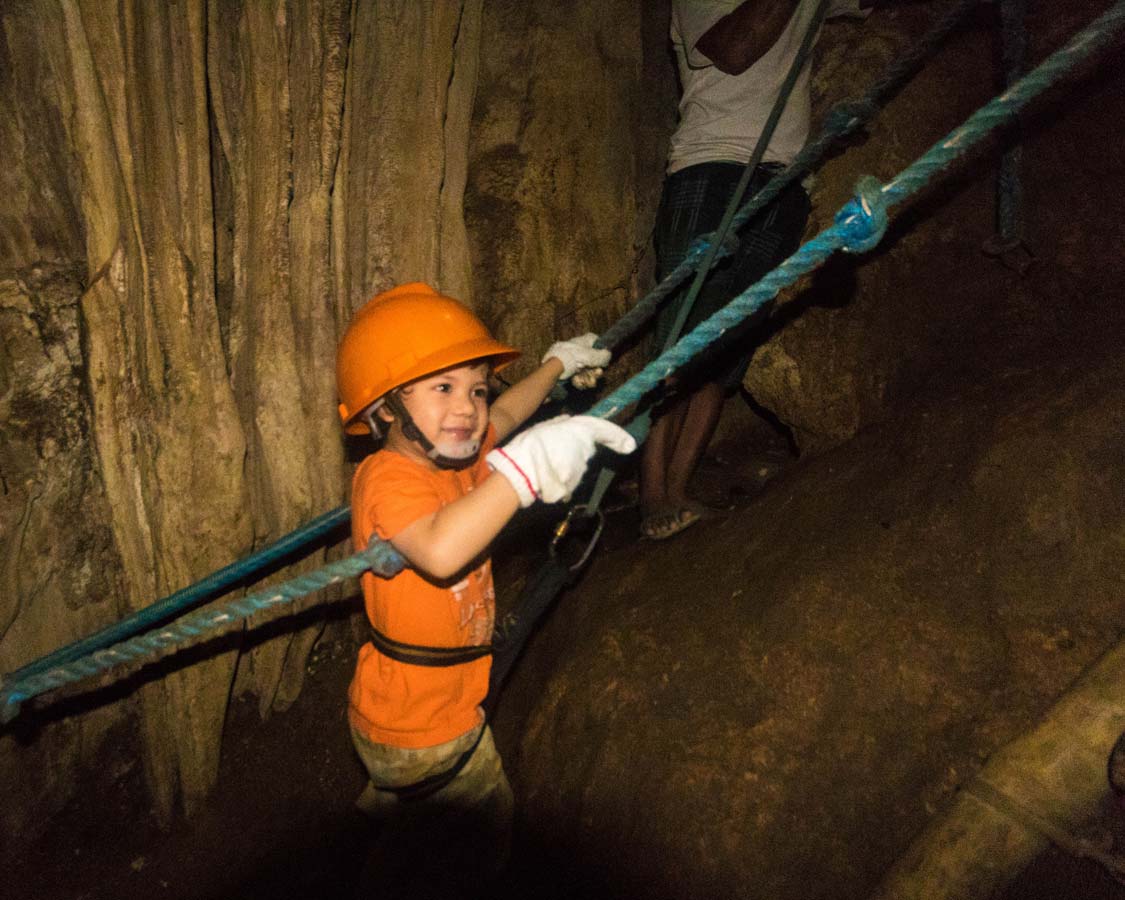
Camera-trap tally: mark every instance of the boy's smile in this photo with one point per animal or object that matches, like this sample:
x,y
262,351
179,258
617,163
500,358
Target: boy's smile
x,y
450,408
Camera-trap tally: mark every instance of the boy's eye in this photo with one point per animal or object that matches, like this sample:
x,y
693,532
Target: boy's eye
x,y
480,393
443,388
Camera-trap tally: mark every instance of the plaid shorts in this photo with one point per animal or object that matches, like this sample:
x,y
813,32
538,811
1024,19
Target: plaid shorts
x,y
693,204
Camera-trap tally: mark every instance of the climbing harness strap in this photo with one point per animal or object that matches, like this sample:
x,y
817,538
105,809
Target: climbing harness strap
x,y
513,630
1008,244
431,784
434,657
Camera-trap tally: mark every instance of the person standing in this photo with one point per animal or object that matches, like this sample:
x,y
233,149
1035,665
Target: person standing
x,y
732,58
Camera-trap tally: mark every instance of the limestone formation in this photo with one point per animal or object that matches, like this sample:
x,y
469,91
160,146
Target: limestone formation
x,y
197,196
564,168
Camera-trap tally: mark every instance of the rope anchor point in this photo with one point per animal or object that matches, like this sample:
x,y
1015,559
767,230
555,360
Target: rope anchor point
x,y
863,219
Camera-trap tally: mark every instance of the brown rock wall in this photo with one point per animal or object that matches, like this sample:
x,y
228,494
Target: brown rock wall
x,y
199,196
556,201
165,424
274,200
410,76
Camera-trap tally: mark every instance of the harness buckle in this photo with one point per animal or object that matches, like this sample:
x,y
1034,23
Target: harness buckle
x,y
563,529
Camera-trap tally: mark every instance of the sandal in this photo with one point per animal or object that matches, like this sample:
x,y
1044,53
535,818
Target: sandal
x,y
668,522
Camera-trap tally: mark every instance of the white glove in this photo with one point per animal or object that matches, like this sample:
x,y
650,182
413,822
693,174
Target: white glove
x,y
579,357
547,461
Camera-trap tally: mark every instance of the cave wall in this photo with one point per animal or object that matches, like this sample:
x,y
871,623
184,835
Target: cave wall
x,y
197,195
868,331
566,152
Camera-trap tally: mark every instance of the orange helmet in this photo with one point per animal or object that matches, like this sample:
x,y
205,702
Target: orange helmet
x,y
403,334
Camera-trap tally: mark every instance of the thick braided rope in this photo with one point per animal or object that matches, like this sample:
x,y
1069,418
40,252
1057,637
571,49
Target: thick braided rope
x,y
842,120
859,224
213,585
380,557
858,227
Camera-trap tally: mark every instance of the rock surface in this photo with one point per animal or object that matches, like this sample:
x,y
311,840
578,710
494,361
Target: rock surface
x,y
198,196
775,704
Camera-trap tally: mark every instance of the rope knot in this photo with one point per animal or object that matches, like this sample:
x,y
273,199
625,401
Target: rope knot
x,y
699,248
863,220
848,115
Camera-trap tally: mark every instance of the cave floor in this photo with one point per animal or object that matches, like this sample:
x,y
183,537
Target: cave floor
x,y
281,824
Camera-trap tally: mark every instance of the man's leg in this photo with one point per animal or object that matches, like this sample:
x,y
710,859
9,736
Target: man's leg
x,y
699,422
656,457
673,449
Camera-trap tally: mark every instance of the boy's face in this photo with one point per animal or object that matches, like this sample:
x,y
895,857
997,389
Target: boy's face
x,y
450,408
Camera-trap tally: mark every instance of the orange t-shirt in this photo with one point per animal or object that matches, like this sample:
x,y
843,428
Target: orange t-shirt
x,y
398,703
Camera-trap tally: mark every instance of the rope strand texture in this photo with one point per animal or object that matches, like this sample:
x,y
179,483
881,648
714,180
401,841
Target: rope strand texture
x,y
380,557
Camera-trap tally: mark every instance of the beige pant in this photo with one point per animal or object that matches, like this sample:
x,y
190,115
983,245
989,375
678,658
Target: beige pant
x,y
448,843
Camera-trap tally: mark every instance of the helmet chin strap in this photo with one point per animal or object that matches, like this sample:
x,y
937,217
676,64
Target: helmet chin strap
x,y
413,433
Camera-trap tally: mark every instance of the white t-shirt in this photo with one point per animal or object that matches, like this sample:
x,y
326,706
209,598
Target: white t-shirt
x,y
722,116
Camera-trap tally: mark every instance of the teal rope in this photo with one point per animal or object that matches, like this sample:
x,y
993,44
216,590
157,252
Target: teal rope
x,y
843,119
858,227
860,224
212,586
380,557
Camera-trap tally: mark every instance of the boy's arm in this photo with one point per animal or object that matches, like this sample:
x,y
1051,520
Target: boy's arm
x,y
563,361
546,463
512,408
443,543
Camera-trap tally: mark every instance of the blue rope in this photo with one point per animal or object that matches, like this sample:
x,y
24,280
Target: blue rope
x,y
858,227
860,224
842,120
380,557
213,585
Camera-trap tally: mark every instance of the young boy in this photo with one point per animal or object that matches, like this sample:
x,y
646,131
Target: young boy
x,y
413,369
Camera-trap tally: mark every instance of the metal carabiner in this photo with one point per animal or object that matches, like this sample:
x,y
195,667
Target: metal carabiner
x,y
563,528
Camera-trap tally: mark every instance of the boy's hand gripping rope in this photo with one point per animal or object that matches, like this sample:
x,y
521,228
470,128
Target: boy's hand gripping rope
x,y
858,227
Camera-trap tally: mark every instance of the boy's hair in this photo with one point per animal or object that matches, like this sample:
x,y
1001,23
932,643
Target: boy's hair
x,y
399,336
